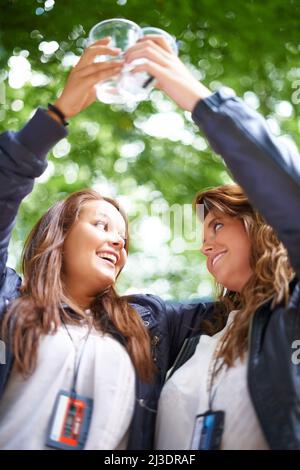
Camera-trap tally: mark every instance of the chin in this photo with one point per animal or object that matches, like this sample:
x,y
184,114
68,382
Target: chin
x,y
104,282
226,285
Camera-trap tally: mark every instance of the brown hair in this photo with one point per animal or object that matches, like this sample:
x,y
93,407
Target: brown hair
x,y
39,311
269,261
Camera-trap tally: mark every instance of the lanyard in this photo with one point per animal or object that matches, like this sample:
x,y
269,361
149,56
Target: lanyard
x,y
211,375
213,371
76,363
71,415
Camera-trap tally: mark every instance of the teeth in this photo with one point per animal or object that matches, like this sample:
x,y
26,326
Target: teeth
x,y
109,256
218,257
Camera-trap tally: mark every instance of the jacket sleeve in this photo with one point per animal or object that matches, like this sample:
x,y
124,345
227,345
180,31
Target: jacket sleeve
x,y
22,158
184,320
267,169
174,322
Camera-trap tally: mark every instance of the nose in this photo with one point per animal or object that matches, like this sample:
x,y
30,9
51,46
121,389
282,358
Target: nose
x,y
117,240
206,248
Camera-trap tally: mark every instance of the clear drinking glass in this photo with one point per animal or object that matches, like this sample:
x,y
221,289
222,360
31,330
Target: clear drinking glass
x,y
135,87
124,34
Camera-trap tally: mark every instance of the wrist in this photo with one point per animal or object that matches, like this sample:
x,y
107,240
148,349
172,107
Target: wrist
x,y
62,107
200,93
54,116
57,114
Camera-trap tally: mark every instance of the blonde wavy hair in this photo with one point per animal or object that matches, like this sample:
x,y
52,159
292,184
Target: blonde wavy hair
x,y
269,261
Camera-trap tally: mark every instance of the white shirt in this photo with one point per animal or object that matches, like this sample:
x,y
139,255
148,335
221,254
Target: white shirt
x,y
185,395
105,374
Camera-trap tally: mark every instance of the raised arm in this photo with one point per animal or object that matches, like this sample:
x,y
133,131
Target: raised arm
x,y
23,154
267,169
22,158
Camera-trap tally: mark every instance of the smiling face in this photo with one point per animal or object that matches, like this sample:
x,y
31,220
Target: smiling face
x,y
94,251
228,249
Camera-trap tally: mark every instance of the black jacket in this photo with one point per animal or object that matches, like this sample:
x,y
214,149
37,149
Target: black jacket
x,y
269,171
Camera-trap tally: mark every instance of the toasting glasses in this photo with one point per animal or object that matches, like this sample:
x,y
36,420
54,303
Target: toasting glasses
x,y
128,87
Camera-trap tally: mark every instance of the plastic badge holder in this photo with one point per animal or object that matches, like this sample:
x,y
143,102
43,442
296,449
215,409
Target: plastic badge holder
x,y
70,421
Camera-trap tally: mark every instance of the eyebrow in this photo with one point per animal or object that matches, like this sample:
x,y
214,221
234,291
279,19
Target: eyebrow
x,y
101,214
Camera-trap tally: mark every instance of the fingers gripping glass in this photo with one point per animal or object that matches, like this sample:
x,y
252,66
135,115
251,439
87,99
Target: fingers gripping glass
x,y
137,86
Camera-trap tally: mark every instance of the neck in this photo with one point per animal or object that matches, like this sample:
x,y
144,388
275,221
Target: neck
x,y
79,299
80,295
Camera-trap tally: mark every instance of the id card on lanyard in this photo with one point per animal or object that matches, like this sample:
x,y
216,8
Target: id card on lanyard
x,y
70,421
208,430
71,415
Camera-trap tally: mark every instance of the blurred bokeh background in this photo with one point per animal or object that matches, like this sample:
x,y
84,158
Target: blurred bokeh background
x,y
153,158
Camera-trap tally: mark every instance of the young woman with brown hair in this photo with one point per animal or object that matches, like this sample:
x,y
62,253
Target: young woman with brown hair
x,y
76,344
70,263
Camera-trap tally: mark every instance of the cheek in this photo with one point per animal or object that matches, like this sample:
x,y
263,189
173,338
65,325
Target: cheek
x,y
245,253
83,241
123,259
70,264
75,252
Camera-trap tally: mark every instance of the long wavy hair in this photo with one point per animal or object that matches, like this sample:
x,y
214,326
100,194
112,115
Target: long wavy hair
x,y
269,262
42,307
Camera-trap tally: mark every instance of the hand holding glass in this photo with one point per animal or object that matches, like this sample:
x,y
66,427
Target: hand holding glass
x,y
123,34
128,88
137,86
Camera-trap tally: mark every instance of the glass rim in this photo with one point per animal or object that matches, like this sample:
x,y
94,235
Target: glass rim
x,y
174,44
116,20
156,29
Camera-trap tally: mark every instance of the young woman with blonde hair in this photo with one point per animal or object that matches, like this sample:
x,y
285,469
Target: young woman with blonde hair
x,y
236,385
252,273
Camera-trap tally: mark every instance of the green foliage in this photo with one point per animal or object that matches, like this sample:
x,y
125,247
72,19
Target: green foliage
x,y
251,46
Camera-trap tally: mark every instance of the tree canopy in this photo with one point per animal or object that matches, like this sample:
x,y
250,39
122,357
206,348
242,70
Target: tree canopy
x,y
153,157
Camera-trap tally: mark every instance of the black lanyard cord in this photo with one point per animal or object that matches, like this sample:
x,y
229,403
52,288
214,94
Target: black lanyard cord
x,y
76,363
